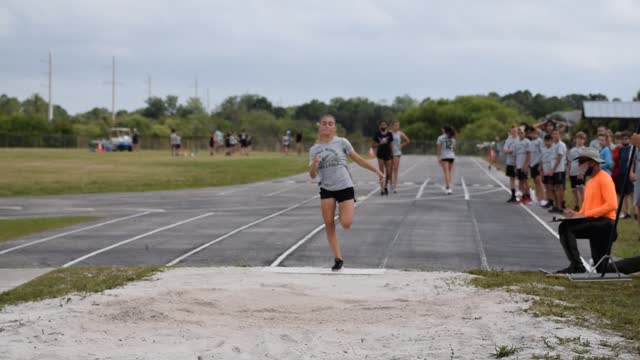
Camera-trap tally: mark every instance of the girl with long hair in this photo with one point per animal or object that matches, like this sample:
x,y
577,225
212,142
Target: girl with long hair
x,y
400,140
446,148
383,143
328,160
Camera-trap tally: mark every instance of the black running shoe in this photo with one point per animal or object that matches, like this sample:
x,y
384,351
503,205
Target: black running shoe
x,y
337,265
566,270
386,191
578,269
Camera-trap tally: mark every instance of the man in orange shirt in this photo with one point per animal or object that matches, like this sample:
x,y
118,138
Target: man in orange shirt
x,y
596,218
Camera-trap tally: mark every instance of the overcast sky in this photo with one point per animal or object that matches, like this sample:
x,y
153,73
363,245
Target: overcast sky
x,y
293,51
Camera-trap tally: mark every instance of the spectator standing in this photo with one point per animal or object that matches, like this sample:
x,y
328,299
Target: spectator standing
x,y
135,139
299,146
576,178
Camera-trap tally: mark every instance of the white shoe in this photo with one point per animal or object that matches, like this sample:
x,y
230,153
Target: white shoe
x,y
449,191
543,202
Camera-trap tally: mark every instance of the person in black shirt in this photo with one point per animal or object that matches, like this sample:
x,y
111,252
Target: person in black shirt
x,y
299,142
383,143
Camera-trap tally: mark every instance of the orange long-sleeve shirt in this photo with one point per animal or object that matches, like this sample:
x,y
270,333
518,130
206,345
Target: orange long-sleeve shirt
x,y
600,199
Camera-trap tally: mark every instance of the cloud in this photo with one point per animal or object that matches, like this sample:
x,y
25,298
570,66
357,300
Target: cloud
x,y
7,22
297,50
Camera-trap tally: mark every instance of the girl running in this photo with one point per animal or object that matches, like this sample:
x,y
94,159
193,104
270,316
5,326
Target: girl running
x,y
383,143
328,159
399,141
446,154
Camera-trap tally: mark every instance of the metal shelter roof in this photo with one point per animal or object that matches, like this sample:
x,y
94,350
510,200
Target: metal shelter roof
x,y
611,110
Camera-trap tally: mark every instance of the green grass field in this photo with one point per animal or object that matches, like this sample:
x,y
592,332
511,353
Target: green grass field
x,y
77,279
15,228
63,171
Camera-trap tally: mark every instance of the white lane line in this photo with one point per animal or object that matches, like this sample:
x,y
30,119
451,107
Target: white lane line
x,y
483,255
542,222
313,232
134,238
464,189
78,209
10,207
386,258
148,210
459,195
202,247
72,232
286,188
424,184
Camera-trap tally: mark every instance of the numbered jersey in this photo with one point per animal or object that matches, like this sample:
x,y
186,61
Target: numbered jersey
x,y
447,146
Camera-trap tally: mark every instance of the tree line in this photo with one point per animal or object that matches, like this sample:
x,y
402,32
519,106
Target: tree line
x,y
476,117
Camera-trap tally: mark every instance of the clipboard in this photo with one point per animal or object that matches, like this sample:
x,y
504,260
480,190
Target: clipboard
x,y
560,219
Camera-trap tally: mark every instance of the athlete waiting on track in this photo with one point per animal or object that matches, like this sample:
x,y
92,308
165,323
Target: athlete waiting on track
x,y
446,149
383,143
328,160
400,140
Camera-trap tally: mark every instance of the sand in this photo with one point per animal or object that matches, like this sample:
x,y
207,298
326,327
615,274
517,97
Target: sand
x,y
249,313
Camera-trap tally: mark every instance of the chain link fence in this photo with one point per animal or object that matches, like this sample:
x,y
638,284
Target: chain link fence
x,y
201,143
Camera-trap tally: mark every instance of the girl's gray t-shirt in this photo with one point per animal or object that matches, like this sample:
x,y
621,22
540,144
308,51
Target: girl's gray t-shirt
x,y
446,147
536,151
521,148
333,171
575,166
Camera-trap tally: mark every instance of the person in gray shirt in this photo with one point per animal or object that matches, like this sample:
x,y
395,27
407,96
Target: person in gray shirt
x,y
575,175
328,161
559,172
548,160
510,161
536,145
522,150
602,130
445,148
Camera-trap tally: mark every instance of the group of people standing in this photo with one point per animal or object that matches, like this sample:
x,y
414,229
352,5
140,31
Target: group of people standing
x,y
598,175
230,142
542,155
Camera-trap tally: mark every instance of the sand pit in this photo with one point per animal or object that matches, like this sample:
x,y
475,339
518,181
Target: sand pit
x,y
247,313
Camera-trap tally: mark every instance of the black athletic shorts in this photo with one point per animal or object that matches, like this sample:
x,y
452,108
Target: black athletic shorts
x,y
339,195
521,174
535,171
558,178
511,171
619,182
448,160
547,180
575,182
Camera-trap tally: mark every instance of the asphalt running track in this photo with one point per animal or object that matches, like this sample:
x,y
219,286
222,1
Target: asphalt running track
x,y
278,223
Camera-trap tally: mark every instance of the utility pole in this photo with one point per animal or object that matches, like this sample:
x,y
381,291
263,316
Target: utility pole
x,y
196,86
113,84
50,117
113,90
